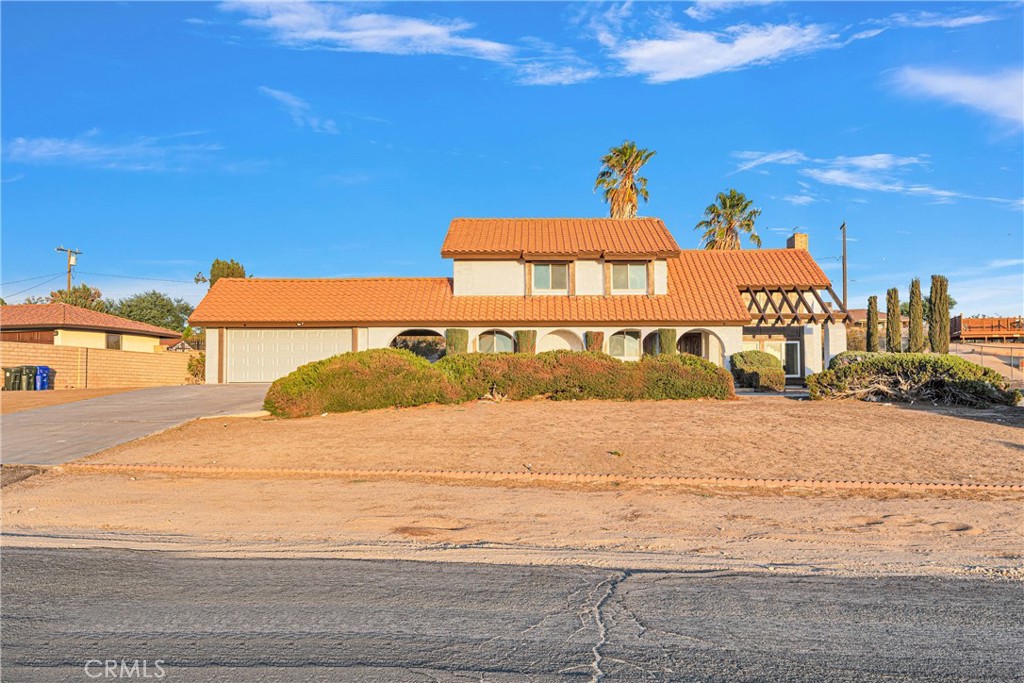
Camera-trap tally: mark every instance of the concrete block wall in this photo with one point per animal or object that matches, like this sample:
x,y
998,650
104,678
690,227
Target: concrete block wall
x,y
80,368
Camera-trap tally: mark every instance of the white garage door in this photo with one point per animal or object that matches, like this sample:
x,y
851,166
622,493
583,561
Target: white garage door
x,y
266,355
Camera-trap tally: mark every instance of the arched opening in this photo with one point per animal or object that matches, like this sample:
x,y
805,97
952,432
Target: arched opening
x,y
495,341
559,340
625,344
425,343
703,344
652,344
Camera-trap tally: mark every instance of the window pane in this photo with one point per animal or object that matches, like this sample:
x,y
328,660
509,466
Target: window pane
x,y
620,276
751,346
638,276
113,341
560,277
542,276
774,348
487,342
616,344
503,343
792,362
632,344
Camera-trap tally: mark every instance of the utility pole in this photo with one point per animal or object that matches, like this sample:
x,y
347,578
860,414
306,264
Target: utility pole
x,y
73,259
842,228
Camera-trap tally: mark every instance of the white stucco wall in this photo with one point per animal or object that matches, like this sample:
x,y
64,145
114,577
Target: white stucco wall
x,y
661,276
212,354
487,278
589,278
98,340
835,340
812,349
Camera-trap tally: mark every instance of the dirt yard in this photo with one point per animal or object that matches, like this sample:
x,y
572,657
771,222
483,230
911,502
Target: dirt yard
x,y
15,401
756,437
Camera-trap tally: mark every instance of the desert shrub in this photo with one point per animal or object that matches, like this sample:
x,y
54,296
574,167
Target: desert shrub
x,y
912,377
456,341
848,357
768,379
526,341
856,339
667,340
515,376
594,341
197,368
378,378
745,363
682,376
590,375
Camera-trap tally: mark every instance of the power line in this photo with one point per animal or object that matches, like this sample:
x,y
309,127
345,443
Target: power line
x,y
37,277
34,286
135,277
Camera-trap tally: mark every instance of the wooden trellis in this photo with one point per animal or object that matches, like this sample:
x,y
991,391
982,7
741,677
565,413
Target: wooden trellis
x,y
792,306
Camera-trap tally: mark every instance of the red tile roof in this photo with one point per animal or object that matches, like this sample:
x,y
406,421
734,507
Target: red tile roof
x,y
704,286
564,237
65,316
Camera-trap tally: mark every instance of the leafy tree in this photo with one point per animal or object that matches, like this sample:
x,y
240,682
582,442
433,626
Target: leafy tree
x,y
219,269
2,302
926,304
938,315
916,313
82,295
155,308
726,220
872,331
893,321
622,187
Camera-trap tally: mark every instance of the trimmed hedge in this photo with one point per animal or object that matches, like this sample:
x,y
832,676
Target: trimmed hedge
x,y
911,377
754,370
594,341
526,341
848,357
456,341
383,378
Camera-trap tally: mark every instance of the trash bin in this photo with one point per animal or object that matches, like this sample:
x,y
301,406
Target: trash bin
x,y
28,377
12,379
42,378
51,378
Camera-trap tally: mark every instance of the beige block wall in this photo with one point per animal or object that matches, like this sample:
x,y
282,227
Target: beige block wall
x,y
79,367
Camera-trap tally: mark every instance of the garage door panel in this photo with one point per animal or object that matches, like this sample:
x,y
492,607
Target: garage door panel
x,y
266,355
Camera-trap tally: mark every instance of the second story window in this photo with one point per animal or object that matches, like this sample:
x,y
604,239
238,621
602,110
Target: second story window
x,y
629,277
551,278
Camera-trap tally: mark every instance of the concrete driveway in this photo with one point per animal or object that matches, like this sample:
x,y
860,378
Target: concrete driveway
x,y
56,434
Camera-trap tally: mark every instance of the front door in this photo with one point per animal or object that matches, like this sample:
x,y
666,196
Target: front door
x,y
692,343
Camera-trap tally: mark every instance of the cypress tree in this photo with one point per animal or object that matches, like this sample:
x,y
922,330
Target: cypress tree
x,y
938,314
893,323
916,344
872,331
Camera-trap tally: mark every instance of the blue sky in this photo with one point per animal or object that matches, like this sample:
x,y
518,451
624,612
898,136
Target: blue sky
x,y
318,140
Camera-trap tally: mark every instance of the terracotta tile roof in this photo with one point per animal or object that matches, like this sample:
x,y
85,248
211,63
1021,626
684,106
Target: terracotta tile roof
x,y
565,237
703,287
65,316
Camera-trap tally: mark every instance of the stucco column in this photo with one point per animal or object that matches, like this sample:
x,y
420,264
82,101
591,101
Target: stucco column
x,y
732,342
213,354
835,340
812,349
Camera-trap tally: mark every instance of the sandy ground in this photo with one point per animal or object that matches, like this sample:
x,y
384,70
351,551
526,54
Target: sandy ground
x,y
757,437
15,401
1004,358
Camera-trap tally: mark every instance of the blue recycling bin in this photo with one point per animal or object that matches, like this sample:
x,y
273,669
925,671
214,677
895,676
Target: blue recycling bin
x,y
42,377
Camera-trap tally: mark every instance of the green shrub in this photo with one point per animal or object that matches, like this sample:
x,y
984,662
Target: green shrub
x,y
768,379
378,378
682,376
912,377
197,368
588,375
667,340
526,341
594,341
456,341
848,357
515,376
745,363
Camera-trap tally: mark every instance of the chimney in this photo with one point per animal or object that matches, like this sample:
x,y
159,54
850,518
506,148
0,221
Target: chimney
x,y
798,240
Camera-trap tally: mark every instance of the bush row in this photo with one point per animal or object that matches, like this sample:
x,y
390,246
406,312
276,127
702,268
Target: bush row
x,y
758,370
911,377
383,378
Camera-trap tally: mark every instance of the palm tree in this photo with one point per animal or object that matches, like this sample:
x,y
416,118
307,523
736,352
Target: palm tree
x,y
619,180
725,221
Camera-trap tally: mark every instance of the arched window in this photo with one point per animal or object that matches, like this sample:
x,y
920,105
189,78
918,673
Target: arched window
x,y
625,344
496,341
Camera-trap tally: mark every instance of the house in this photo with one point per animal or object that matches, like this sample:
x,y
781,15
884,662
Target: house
x,y
561,278
66,325
982,329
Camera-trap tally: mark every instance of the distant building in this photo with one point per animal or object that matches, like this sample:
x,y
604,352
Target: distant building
x,y
66,325
986,329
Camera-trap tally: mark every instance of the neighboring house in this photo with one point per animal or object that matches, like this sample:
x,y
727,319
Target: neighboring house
x,y
560,277
986,329
176,345
66,325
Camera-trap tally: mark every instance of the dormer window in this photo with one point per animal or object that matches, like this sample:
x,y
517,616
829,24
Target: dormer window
x,y
550,278
629,278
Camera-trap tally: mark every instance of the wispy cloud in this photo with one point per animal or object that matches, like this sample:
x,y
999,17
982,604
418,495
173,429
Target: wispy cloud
x,y
702,10
751,159
142,153
681,54
300,111
922,19
1000,95
799,199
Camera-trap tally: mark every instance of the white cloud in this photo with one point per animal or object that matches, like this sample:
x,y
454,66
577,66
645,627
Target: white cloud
x,y
799,199
702,10
1000,95
545,73
300,111
337,27
754,159
146,153
683,54
936,20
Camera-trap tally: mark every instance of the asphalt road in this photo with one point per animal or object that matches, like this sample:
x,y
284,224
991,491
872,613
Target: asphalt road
x,y
56,434
348,620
